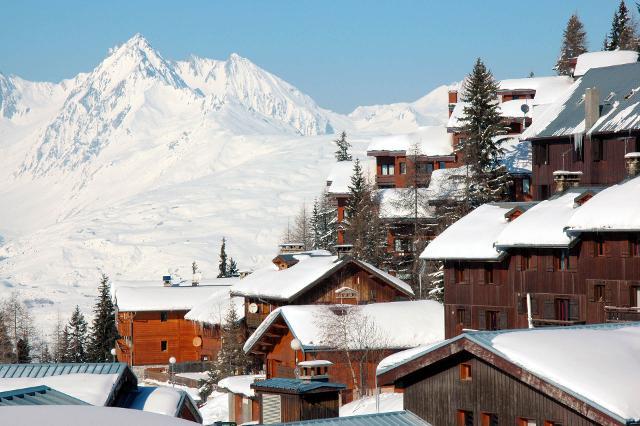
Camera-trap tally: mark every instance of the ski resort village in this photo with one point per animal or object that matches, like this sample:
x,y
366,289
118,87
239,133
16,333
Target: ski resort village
x,y
197,241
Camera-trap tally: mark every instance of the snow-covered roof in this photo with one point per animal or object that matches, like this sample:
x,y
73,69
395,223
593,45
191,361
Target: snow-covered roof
x,y
396,203
395,322
590,60
160,400
617,85
214,309
616,208
448,184
611,387
312,266
432,141
543,225
387,402
473,236
159,298
339,178
81,415
517,155
315,363
241,384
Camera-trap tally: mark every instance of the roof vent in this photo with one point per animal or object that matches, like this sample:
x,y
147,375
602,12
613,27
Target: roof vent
x,y
632,163
565,179
343,250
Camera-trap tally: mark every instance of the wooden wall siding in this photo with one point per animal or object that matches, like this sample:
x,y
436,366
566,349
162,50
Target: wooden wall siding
x,y
610,170
436,393
617,269
306,407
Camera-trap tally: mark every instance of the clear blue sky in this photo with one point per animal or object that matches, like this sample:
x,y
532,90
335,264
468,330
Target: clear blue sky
x,y
343,53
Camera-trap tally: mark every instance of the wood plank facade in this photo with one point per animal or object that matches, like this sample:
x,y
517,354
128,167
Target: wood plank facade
x,y
566,287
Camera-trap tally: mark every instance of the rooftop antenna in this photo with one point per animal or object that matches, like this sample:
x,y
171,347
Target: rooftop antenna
x,y
564,155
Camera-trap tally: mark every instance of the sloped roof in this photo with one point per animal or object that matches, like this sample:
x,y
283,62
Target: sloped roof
x,y
37,395
431,140
618,86
57,369
214,309
616,208
473,236
398,418
272,283
160,298
162,400
394,321
606,58
610,388
340,177
295,385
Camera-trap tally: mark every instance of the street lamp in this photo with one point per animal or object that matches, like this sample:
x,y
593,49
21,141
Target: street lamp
x,y
296,345
172,362
113,354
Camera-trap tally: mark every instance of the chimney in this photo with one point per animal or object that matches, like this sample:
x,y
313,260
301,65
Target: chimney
x,y
591,107
343,250
314,371
565,179
291,248
632,162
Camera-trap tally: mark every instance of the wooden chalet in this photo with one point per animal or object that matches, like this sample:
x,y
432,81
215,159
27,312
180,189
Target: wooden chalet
x,y
315,277
157,322
97,384
337,193
579,375
515,265
399,325
291,400
590,130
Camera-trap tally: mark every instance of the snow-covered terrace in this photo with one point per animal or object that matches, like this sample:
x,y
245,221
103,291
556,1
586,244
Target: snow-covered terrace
x,y
613,348
339,178
272,283
395,323
214,309
431,141
241,384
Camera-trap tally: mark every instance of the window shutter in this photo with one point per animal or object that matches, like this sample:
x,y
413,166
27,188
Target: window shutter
x,y
271,408
467,317
608,294
522,306
534,305
503,320
591,291
574,310
482,320
549,311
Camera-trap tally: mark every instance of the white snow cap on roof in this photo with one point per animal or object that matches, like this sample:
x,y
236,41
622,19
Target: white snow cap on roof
x,y
383,403
272,283
394,321
340,177
214,309
589,60
241,384
517,155
616,208
159,298
543,225
448,183
603,365
395,203
432,140
472,236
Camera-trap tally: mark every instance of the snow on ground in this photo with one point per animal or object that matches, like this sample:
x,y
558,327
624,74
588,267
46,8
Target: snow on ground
x,y
195,376
160,400
387,402
216,408
240,384
82,415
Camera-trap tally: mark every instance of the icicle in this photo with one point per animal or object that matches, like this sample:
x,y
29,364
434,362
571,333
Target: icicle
x,y
577,142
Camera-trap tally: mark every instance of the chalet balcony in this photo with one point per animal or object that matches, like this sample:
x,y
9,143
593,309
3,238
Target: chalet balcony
x,y
254,320
538,322
385,180
616,314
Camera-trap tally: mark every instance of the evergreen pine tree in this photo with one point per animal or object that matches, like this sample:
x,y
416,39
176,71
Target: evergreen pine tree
x,y
315,224
23,351
223,267
104,332
574,43
63,354
77,337
45,355
357,191
194,267
6,347
342,154
481,149
622,35
233,268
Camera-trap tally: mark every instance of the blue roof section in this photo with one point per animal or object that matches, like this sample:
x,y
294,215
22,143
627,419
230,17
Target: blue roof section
x,y
295,385
37,395
398,418
58,369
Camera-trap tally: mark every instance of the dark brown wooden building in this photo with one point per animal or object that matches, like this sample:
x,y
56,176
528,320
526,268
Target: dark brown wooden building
x,y
522,377
315,277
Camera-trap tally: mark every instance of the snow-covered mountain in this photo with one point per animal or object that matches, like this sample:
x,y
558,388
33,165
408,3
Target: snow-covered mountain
x,y
145,163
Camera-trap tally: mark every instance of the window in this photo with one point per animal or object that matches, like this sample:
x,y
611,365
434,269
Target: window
x,y
598,293
634,245
491,320
597,149
541,154
388,169
458,272
428,168
634,297
515,97
551,423
403,168
488,274
526,186
526,422
561,260
543,192
525,262
461,316
163,346
164,316
465,418
489,419
465,371
598,247
442,165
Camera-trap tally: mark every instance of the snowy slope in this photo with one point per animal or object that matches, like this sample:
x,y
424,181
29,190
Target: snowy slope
x,y
144,164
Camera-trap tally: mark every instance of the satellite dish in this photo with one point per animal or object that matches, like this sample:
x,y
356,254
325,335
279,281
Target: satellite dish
x,y
197,341
253,308
524,108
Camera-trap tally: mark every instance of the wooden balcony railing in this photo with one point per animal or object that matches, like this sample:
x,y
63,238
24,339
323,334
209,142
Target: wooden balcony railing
x,y
538,322
617,314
